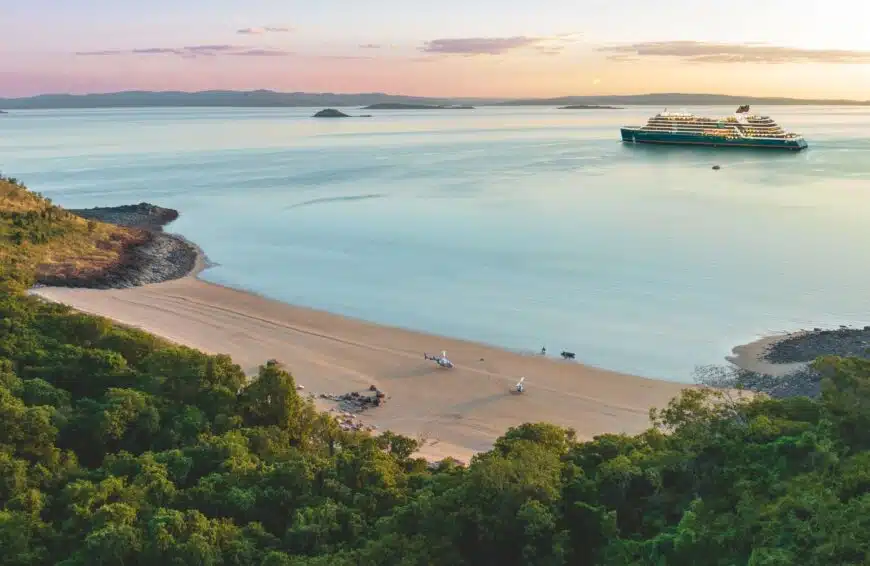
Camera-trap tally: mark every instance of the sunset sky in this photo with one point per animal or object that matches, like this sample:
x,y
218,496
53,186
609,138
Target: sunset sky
x,y
511,48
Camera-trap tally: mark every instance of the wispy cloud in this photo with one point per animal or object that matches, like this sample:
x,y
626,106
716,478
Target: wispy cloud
x,y
262,30
155,51
425,59
549,50
100,53
203,48
345,57
544,45
622,58
479,45
262,53
191,51
703,52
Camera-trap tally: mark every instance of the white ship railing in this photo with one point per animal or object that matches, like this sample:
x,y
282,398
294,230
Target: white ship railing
x,y
679,114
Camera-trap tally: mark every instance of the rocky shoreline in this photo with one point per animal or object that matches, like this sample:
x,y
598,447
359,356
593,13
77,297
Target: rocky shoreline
x,y
159,257
805,382
143,215
781,366
806,346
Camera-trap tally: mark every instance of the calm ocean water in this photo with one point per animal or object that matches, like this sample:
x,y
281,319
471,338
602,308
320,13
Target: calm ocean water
x,y
521,227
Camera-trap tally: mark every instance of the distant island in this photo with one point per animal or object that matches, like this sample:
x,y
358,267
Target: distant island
x,y
406,106
589,107
380,101
331,113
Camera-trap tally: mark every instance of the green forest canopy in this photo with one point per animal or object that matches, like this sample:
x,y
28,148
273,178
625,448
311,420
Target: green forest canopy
x,y
118,448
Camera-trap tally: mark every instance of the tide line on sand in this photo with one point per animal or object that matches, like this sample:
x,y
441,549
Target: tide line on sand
x,y
456,412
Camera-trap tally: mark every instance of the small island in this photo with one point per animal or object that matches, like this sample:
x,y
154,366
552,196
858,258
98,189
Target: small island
x,y
403,106
589,107
330,113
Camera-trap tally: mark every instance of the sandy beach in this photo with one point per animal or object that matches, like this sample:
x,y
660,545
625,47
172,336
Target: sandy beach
x,y
457,412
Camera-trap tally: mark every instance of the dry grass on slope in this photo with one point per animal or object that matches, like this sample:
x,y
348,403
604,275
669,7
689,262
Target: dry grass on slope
x,y
51,241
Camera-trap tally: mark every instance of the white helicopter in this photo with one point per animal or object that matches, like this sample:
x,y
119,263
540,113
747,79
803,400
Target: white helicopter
x,y
441,360
519,387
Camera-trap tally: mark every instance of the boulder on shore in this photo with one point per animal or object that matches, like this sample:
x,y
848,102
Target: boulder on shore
x,y
330,113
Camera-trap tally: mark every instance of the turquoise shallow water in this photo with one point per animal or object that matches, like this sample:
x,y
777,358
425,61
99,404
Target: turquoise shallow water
x,y
520,227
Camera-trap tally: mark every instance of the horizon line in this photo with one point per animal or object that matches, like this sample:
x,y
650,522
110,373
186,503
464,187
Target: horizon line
x,y
505,99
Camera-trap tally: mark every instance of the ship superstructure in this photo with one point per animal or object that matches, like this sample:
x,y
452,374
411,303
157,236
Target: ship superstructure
x,y
741,129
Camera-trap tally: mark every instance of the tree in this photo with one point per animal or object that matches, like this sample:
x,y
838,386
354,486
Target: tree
x,y
272,400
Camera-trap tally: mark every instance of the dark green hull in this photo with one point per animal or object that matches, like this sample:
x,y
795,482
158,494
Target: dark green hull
x,y
636,135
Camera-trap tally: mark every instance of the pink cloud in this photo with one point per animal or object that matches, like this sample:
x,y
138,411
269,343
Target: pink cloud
x,y
479,45
190,51
754,52
262,53
262,30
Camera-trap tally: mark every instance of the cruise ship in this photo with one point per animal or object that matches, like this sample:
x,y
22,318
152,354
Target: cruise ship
x,y
741,129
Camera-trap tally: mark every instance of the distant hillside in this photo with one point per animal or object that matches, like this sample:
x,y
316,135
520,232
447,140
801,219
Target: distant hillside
x,y
589,107
270,99
405,106
214,98
676,99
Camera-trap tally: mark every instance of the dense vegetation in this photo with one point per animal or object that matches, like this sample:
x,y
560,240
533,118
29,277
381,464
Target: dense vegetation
x,y
117,448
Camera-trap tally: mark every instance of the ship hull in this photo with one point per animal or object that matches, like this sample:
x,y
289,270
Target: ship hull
x,y
636,135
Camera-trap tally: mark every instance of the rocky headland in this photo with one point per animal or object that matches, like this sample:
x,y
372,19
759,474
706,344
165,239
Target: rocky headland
x,y
152,257
143,215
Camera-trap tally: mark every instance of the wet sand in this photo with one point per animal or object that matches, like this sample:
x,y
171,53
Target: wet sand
x,y
751,356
